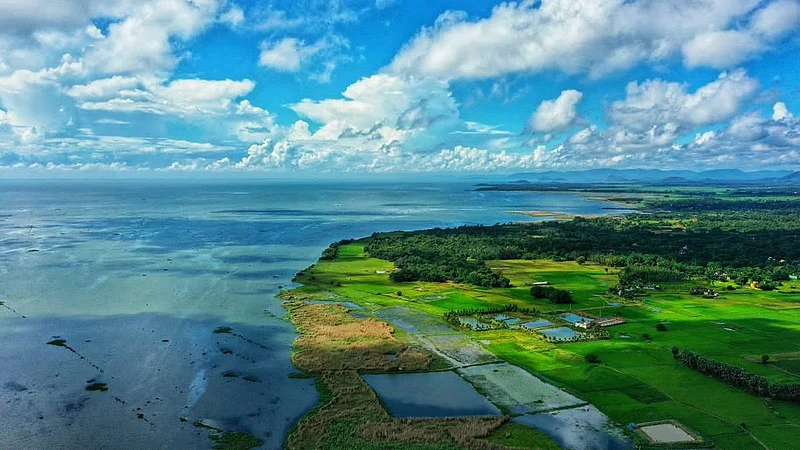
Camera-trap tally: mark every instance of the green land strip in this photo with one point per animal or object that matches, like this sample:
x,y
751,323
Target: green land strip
x,y
636,380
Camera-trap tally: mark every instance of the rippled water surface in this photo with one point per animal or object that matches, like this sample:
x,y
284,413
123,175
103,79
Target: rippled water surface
x,y
135,277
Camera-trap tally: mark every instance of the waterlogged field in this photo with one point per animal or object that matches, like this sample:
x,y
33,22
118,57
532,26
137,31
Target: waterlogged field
x,y
637,379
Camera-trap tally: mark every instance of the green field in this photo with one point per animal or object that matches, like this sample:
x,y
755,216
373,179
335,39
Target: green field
x,y
637,379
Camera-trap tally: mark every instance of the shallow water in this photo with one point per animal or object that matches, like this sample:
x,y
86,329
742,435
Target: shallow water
x,y
581,428
516,390
562,333
539,323
136,276
409,395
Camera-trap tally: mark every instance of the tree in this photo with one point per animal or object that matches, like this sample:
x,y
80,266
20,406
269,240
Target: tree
x,y
540,291
580,260
661,327
591,358
675,352
764,359
560,297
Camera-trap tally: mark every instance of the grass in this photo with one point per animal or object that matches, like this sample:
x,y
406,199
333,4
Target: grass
x,y
520,436
636,379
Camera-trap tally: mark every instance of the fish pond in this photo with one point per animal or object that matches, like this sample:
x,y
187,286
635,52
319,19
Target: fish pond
x,y
574,318
409,395
560,333
539,323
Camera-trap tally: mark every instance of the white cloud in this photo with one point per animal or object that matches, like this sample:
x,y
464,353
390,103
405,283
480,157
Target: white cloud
x,y
285,55
143,40
31,15
747,128
292,55
103,88
777,19
557,114
233,17
405,103
183,97
591,36
780,111
656,102
721,49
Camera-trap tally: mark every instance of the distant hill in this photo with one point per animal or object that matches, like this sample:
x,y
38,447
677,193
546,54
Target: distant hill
x,y
792,178
656,176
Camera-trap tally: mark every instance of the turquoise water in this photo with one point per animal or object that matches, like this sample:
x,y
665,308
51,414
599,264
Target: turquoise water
x,y
409,395
136,276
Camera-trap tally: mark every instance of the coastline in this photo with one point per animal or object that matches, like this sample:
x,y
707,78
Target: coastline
x,y
341,337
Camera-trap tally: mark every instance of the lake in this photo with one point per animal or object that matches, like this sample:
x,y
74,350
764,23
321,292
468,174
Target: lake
x,y
136,275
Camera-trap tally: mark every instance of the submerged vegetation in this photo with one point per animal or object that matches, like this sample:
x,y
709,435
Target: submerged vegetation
x,y
230,440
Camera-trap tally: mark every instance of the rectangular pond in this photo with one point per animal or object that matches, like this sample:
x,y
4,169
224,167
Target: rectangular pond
x,y
410,395
574,318
538,323
472,322
517,390
560,333
667,433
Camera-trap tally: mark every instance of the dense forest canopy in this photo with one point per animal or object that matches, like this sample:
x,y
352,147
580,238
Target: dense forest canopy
x,y
700,237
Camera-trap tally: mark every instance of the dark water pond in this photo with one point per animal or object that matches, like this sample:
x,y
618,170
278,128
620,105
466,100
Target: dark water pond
x,y
431,394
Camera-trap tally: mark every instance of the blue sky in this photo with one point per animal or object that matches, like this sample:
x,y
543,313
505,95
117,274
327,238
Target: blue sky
x,y
364,86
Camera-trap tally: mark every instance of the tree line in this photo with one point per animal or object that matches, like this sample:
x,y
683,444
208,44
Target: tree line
x,y
738,377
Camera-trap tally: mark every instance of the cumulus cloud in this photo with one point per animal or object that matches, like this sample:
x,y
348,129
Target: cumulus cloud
x,y
655,102
75,73
557,114
595,37
780,111
143,41
383,99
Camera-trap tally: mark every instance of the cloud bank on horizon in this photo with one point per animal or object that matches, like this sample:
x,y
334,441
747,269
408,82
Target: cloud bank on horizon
x,y
397,85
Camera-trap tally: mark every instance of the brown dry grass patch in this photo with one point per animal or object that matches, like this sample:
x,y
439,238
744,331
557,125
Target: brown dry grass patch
x,y
335,347
334,340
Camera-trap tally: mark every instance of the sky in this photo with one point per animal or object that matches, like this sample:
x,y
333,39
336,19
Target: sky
x,y
396,86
